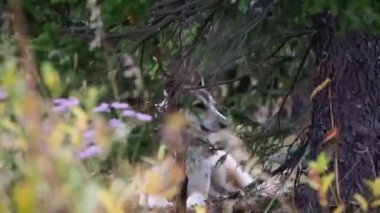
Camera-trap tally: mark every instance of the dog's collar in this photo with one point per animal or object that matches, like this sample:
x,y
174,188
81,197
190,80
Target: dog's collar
x,y
207,144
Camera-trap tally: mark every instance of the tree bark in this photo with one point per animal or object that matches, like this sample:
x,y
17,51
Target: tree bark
x,y
350,103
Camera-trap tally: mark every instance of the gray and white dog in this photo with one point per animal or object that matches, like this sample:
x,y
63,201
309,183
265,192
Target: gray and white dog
x,y
209,171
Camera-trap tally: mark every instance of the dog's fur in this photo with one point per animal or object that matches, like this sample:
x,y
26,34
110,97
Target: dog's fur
x,y
209,171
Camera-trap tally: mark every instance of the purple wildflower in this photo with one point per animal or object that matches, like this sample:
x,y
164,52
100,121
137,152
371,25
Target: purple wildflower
x,y
89,134
143,117
73,101
116,123
103,107
129,113
62,104
89,152
59,108
119,105
69,102
89,137
3,94
137,115
59,100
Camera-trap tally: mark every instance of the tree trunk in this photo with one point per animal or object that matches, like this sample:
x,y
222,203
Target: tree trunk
x,y
350,103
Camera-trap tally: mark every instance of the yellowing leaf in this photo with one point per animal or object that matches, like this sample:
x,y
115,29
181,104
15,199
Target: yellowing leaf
x,y
163,179
374,186
21,144
32,110
375,203
339,209
9,77
81,123
321,163
56,136
75,136
157,184
4,206
11,126
51,78
199,209
110,203
326,182
148,160
161,152
153,183
176,176
176,121
320,87
25,197
170,191
90,98
81,118
332,134
362,201
314,184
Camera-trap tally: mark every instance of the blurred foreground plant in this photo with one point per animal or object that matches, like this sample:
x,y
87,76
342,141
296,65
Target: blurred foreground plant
x,y
55,177
370,203
322,182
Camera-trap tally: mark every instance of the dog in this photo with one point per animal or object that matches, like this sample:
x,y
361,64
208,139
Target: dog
x,y
209,170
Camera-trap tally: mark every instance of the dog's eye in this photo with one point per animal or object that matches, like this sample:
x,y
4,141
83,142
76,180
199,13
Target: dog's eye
x,y
200,105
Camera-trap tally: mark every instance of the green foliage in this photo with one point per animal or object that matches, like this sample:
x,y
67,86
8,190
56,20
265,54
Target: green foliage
x,y
360,14
265,41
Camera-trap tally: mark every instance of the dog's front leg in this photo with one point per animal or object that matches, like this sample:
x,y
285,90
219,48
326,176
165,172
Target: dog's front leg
x,y
198,170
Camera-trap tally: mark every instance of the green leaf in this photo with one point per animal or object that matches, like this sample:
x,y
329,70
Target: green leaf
x,y
374,186
51,79
25,197
320,165
362,201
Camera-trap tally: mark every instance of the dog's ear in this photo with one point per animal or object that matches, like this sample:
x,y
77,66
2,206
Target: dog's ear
x,y
196,79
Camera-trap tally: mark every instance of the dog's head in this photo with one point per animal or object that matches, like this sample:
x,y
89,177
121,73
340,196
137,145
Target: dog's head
x,y
198,107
